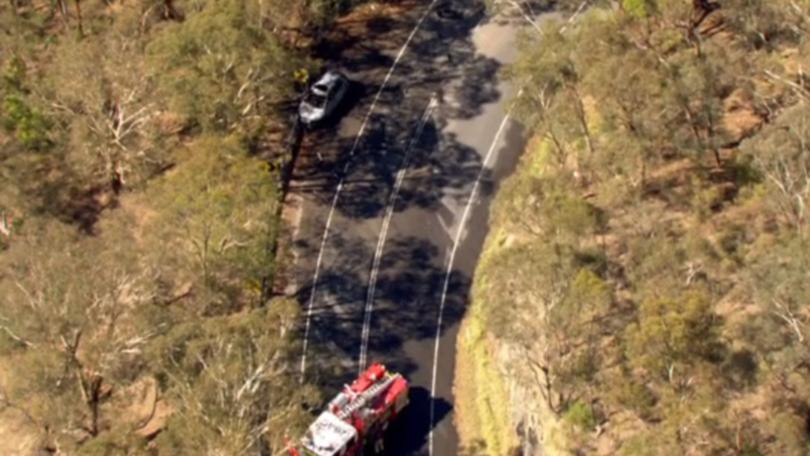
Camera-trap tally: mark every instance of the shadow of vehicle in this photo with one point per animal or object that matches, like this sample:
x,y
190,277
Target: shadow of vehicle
x,y
409,433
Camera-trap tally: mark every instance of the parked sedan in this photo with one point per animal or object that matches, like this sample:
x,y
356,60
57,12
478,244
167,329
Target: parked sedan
x,y
323,97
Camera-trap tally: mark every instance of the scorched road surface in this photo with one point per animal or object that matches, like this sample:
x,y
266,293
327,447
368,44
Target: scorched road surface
x,y
402,187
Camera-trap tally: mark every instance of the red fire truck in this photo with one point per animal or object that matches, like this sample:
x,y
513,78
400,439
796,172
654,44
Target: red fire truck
x,y
356,419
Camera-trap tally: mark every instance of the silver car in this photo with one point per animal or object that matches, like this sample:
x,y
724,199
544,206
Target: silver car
x,y
323,97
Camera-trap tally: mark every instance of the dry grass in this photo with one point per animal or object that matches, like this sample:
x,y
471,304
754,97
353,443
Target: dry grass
x,y
17,435
464,390
482,399
741,120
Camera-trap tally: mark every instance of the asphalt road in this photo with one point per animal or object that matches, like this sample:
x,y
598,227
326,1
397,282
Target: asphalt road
x,y
401,191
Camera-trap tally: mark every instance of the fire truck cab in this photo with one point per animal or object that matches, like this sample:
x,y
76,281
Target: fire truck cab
x,y
329,436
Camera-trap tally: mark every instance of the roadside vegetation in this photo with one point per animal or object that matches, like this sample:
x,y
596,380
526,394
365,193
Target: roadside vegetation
x,y
141,145
645,287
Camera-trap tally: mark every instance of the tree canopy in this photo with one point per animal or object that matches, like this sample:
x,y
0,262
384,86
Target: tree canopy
x,y
140,148
643,287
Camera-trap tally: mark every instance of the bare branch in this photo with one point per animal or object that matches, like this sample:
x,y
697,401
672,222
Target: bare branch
x,y
799,89
575,16
788,317
15,337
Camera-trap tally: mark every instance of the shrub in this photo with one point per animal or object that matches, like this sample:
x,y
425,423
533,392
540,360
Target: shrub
x,y
581,416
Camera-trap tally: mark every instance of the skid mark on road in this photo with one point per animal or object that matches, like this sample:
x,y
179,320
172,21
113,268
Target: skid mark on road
x,y
339,188
457,241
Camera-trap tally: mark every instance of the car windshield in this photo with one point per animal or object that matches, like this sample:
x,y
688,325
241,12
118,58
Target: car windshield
x,y
320,88
316,96
315,100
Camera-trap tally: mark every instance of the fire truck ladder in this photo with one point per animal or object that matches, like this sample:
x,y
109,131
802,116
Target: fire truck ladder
x,y
365,397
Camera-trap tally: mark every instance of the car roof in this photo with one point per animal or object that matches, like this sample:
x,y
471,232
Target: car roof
x,y
328,79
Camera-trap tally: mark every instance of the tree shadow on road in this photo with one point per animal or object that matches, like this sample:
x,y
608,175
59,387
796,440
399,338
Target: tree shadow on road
x,y
441,173
405,305
405,309
442,56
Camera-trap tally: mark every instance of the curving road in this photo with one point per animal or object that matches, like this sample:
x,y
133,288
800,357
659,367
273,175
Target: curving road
x,y
394,213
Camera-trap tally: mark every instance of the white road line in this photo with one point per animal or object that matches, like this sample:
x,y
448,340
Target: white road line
x,y
317,275
389,213
456,242
339,188
388,75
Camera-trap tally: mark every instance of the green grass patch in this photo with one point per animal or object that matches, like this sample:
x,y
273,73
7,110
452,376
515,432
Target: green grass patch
x,y
491,394
580,415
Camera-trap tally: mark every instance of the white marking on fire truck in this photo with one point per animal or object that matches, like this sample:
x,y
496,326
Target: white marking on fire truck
x,y
450,261
339,187
389,213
